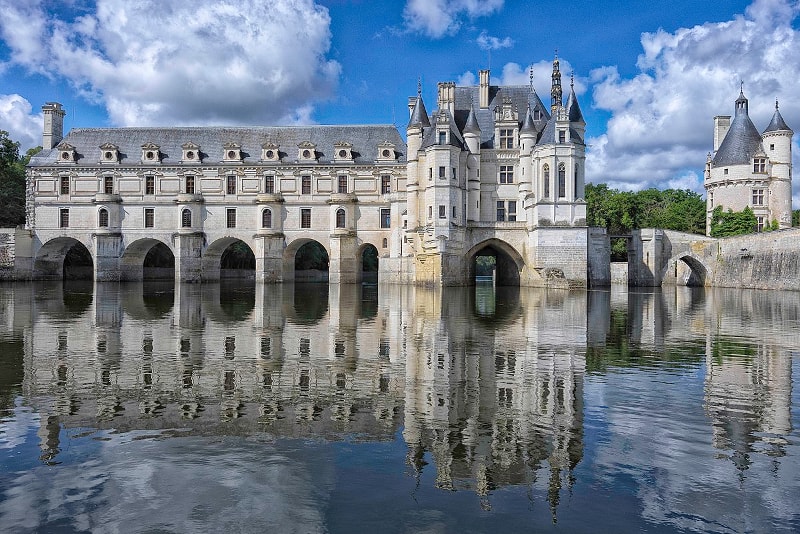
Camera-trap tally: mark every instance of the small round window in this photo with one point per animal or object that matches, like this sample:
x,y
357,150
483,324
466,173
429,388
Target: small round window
x,y
109,155
270,154
190,155
231,154
150,155
65,155
306,154
343,153
386,153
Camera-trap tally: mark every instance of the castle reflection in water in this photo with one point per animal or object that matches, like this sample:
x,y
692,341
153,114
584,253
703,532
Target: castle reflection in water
x,y
488,384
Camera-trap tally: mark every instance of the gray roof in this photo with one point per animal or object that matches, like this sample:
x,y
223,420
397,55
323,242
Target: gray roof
x,y
455,138
549,134
472,125
777,123
741,142
364,138
527,124
573,109
419,116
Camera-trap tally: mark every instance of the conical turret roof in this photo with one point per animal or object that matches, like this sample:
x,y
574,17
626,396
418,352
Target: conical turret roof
x,y
419,116
471,125
742,141
777,123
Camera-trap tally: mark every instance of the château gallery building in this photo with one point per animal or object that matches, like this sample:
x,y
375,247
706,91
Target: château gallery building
x,y
491,171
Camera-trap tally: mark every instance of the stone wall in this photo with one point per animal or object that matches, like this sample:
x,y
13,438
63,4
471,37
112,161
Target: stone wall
x,y
15,254
768,260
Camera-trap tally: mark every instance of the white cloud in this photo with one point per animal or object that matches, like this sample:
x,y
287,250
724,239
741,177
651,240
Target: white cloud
x,y
173,62
488,42
660,128
514,74
437,18
16,118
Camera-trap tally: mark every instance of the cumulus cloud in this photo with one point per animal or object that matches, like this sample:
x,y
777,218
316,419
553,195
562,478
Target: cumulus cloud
x,y
175,62
515,74
661,122
17,119
488,42
438,18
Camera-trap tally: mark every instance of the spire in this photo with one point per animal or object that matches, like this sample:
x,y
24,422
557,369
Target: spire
x,y
527,125
472,122
573,109
419,117
741,102
556,100
777,123
530,78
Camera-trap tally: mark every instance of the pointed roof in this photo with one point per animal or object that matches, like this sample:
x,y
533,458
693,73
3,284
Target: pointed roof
x,y
573,109
777,124
471,125
527,126
419,117
742,141
440,116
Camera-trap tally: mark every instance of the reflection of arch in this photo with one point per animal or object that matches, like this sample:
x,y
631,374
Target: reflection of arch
x,y
508,262
305,304
368,256
230,301
66,301
495,305
63,258
149,300
147,259
229,257
310,265
695,276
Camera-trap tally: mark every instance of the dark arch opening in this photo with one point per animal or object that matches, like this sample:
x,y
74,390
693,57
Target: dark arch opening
x,y
369,264
78,264
491,264
311,263
159,263
237,262
696,277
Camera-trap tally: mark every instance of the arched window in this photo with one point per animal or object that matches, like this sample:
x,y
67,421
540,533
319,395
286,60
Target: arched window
x,y
266,218
562,180
340,218
385,242
102,218
186,218
575,185
546,173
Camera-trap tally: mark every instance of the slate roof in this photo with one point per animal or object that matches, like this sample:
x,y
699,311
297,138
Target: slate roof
x,y
419,115
573,109
548,135
364,138
777,123
741,142
429,138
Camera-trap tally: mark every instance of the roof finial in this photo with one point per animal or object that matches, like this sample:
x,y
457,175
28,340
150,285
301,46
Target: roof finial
x,y
741,86
572,80
419,86
530,76
776,103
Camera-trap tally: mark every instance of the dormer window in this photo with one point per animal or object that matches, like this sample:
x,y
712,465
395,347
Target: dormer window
x,y
760,165
232,152
191,152
270,152
151,153
109,153
506,138
386,152
343,151
562,136
307,151
66,153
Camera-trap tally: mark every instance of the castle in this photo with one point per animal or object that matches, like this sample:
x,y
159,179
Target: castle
x,y
491,172
751,169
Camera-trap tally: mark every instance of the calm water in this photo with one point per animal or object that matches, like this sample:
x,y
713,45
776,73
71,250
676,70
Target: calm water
x,y
315,408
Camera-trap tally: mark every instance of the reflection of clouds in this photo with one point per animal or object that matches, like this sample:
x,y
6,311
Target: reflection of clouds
x,y
14,429
176,484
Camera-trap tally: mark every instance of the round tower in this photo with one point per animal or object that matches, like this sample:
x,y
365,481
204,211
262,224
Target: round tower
x,y
777,142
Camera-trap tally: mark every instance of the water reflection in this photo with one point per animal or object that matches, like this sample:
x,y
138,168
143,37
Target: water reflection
x,y
554,392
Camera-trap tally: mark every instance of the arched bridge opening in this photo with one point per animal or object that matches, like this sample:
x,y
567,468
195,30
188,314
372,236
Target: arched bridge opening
x,y
690,271
148,259
494,261
63,258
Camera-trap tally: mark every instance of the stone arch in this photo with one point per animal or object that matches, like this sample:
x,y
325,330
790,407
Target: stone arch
x,y
689,270
229,257
508,262
317,274
147,258
368,260
63,258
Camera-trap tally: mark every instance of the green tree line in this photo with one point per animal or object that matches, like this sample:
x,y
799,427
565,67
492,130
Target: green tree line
x,y
12,181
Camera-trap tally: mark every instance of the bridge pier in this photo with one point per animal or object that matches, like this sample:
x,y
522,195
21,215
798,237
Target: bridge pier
x,y
189,258
107,257
344,264
269,258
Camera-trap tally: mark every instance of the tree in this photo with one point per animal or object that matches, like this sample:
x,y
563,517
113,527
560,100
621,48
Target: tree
x,y
12,182
730,223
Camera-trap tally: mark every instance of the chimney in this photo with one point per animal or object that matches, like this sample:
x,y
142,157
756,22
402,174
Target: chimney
x,y
53,125
722,124
447,96
483,76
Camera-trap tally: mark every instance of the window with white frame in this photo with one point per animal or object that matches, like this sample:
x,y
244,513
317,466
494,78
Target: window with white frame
x,y
63,218
758,197
231,185
266,218
230,217
340,218
506,138
386,184
760,165
186,218
305,185
305,217
562,180
269,184
506,174
386,218
342,183
102,218
149,218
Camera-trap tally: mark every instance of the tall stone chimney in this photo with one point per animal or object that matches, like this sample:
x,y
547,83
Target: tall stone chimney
x,y
483,77
53,125
722,124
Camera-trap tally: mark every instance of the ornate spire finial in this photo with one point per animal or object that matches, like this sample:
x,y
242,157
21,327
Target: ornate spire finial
x,y
572,80
776,103
419,86
530,76
741,86
556,100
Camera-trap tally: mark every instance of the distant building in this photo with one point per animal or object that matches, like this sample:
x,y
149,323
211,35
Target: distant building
x,y
492,171
750,169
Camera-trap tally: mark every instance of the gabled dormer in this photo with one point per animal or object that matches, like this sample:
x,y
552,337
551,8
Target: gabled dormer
x,y
190,153
270,152
109,153
151,153
442,126
343,152
307,152
66,153
387,151
232,153
506,125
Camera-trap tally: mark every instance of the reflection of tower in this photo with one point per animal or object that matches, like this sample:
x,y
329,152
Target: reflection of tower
x,y
748,398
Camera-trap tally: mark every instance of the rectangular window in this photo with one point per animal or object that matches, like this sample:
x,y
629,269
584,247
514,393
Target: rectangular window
x,y
305,185
759,165
269,184
711,199
759,224
190,185
506,174
443,173
65,185
386,218
108,185
231,217
342,188
149,185
231,189
386,184
454,212
430,212
501,211
758,197
305,218
512,210
562,136
442,138
149,218
63,218
442,212
506,138
455,174
430,174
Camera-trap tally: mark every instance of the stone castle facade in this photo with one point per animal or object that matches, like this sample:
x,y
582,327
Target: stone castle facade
x,y
492,171
751,169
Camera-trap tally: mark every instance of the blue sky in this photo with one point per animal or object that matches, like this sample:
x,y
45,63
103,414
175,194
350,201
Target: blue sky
x,y
650,75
